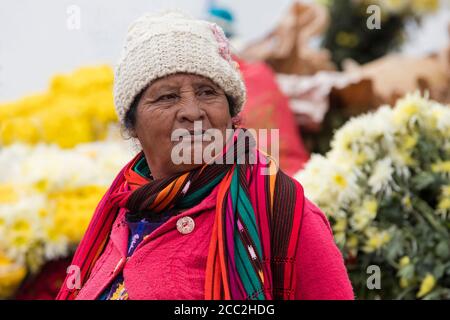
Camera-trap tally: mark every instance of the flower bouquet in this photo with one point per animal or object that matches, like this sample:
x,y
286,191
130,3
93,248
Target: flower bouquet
x,y
77,108
385,186
47,197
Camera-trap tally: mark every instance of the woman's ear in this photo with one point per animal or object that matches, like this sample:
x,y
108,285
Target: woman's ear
x,y
130,117
133,133
236,121
128,133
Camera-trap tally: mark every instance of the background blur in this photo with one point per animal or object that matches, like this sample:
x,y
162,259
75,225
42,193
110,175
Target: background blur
x,y
36,42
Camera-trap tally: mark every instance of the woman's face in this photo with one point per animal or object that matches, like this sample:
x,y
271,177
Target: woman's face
x,y
176,102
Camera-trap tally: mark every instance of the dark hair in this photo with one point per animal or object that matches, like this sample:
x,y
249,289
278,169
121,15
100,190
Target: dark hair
x,y
130,116
231,105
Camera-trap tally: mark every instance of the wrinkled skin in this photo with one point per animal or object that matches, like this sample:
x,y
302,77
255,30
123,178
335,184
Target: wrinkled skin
x,y
176,102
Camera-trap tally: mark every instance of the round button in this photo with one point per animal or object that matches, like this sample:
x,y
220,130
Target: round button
x,y
185,225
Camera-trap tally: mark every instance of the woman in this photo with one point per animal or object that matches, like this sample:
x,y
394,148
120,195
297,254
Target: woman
x,y
227,227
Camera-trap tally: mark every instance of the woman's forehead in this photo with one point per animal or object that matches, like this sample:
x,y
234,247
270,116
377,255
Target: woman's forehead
x,y
180,79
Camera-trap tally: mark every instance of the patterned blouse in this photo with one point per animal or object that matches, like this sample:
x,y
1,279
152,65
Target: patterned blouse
x,y
138,231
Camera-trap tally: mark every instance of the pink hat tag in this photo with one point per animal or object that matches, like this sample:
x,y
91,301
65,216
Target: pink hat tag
x,y
224,48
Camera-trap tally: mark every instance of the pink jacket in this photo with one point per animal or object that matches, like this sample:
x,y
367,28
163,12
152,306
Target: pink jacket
x,y
171,265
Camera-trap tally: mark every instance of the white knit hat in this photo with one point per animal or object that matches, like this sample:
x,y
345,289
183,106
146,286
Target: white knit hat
x,y
158,45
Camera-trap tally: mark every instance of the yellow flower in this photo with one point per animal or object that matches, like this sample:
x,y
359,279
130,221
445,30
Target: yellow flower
x,y
347,39
21,225
441,167
18,130
73,209
21,239
404,114
41,185
403,157
53,233
394,6
446,191
370,206
352,244
428,284
444,204
404,282
8,194
352,241
77,108
43,213
340,225
11,276
339,237
364,214
410,141
375,239
424,6
406,202
404,261
340,180
360,158
359,220
408,107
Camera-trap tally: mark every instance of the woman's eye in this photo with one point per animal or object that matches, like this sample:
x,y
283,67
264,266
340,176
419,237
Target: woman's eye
x,y
207,92
167,97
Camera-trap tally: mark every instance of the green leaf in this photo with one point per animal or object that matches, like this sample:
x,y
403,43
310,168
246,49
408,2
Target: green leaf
x,y
422,180
439,271
442,249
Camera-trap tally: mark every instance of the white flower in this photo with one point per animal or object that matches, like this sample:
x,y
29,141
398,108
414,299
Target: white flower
x,y
28,234
56,249
52,168
381,175
22,226
326,182
364,214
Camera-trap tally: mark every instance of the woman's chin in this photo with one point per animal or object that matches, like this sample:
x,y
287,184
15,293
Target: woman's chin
x,y
187,167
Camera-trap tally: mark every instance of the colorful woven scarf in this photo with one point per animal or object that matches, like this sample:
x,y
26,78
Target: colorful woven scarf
x,y
256,225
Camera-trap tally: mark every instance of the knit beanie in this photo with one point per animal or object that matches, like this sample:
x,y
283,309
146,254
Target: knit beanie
x,y
161,44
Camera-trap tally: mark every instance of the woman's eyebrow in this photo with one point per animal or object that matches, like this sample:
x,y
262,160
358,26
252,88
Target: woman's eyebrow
x,y
202,83
162,87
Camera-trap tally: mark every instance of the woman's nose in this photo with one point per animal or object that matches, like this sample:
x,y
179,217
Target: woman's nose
x,y
191,111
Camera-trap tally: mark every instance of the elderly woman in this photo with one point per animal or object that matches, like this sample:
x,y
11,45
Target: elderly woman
x,y
212,229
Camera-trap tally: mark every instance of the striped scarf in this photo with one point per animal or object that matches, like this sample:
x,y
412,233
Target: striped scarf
x,y
256,226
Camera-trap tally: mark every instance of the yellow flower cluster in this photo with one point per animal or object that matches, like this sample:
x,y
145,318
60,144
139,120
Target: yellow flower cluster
x,y
47,197
71,210
444,201
11,275
376,239
76,108
59,151
426,286
35,231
